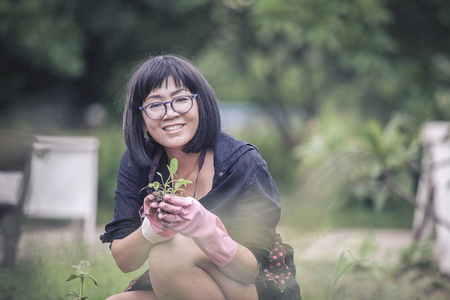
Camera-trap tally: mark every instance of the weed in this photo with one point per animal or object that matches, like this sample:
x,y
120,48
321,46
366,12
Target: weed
x,y
342,267
81,274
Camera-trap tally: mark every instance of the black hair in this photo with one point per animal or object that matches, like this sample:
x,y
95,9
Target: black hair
x,y
150,75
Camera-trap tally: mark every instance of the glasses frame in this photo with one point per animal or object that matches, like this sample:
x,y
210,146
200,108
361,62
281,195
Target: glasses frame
x,y
191,97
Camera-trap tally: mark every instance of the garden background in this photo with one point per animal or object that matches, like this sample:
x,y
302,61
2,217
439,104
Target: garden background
x,y
333,93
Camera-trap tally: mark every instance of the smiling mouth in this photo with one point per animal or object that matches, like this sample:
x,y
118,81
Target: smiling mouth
x,y
173,127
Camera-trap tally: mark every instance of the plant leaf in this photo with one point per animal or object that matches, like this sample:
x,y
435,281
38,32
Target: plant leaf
x,y
154,185
93,279
173,168
71,277
340,272
73,296
184,182
176,185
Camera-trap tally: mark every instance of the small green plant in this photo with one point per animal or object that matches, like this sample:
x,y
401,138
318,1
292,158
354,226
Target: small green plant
x,y
171,185
344,264
80,273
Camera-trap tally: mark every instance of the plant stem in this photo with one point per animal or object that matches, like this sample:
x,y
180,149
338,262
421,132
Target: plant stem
x,y
81,288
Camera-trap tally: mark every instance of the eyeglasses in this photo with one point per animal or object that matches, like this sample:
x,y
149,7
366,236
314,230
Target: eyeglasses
x,y
180,104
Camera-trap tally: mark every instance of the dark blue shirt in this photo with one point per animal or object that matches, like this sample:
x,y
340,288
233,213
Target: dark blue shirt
x,y
243,195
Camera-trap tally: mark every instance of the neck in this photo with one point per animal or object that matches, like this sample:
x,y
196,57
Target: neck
x,y
187,162
176,153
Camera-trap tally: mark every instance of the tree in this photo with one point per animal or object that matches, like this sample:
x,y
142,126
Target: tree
x,y
60,56
296,58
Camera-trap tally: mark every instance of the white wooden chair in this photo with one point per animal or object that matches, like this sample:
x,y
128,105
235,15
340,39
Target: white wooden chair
x,y
64,181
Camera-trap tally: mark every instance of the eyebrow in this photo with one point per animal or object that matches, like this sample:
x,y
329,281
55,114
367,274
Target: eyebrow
x,y
171,94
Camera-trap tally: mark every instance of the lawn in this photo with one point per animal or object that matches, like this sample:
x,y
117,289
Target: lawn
x,y
41,272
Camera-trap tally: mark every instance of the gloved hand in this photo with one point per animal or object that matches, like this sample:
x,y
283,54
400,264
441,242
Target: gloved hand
x,y
190,218
152,229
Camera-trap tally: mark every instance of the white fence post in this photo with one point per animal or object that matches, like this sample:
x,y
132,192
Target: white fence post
x,y
434,189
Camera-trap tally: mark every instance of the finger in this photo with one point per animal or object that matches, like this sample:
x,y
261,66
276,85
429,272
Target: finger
x,y
177,200
165,220
153,206
149,198
147,202
169,218
170,208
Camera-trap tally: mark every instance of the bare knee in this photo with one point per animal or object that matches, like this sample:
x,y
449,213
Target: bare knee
x,y
133,295
165,258
175,275
115,297
178,254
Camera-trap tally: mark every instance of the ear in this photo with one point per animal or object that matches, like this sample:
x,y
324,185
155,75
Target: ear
x,y
143,126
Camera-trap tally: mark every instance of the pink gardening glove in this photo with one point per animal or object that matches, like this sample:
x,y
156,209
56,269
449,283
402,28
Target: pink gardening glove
x,y
190,218
152,229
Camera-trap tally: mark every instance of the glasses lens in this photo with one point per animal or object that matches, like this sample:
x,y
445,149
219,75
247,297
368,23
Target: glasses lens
x,y
182,104
156,111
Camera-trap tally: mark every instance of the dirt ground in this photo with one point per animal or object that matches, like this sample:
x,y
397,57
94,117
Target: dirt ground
x,y
380,245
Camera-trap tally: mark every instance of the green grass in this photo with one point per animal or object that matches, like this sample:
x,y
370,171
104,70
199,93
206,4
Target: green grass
x,y
41,273
415,276
366,281
398,217
308,213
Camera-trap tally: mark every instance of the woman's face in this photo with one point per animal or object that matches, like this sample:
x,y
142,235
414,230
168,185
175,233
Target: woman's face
x,y
174,130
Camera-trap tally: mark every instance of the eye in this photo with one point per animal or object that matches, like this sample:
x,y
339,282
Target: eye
x,y
154,106
181,100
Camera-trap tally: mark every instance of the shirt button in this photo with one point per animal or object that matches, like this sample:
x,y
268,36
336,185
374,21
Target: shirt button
x,y
220,174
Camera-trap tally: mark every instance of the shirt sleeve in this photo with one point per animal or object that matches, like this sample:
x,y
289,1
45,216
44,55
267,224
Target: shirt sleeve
x,y
250,205
128,199
256,214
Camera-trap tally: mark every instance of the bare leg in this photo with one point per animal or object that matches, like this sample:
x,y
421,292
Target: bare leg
x,y
134,295
231,289
180,270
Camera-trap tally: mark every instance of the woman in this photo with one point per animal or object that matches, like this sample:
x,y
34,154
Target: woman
x,y
216,241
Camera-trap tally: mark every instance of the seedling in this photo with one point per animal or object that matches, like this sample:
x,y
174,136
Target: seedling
x,y
80,273
171,185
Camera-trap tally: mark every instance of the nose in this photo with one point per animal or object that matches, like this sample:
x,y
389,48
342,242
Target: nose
x,y
170,113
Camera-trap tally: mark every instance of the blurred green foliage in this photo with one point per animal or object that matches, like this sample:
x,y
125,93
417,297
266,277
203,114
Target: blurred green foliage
x,y
111,149
292,56
332,77
363,166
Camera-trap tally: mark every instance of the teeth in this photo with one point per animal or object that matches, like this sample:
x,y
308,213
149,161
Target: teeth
x,y
173,127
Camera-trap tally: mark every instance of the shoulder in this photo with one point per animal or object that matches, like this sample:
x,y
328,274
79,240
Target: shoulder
x,y
228,150
238,162
126,163
130,171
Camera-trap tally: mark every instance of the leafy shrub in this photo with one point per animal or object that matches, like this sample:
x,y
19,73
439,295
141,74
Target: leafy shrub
x,y
371,165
